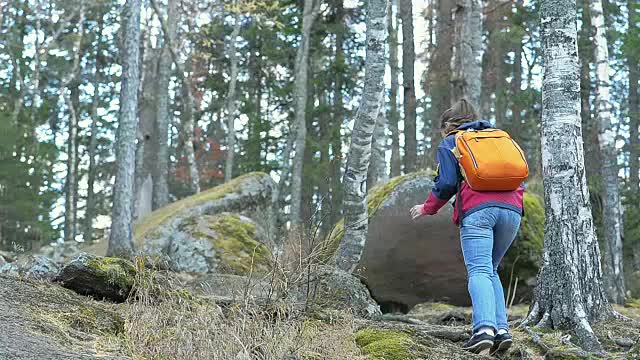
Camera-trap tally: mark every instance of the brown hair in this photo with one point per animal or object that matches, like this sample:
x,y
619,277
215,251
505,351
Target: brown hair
x,y
461,112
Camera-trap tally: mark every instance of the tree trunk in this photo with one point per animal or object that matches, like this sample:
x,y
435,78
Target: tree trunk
x,y
310,12
612,216
338,118
73,103
467,51
120,238
378,166
231,100
93,140
408,83
164,115
440,71
393,106
355,178
569,293
634,107
187,88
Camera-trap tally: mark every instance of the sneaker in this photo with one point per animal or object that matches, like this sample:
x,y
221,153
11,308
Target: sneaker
x,y
501,342
478,343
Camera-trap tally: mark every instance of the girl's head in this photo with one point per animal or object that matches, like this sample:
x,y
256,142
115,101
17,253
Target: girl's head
x,y
461,112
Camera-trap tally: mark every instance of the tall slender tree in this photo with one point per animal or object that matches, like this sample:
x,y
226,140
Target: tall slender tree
x,y
393,94
612,216
378,163
355,180
231,97
120,238
163,115
467,51
569,294
310,12
408,83
633,62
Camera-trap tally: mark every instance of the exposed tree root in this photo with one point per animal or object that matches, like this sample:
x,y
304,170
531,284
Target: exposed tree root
x,y
550,352
453,334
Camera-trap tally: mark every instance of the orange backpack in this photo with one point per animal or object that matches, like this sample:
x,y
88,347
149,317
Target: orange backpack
x,y
490,160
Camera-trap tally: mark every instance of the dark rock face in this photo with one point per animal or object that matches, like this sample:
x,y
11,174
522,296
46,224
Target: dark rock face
x,y
408,262
39,320
101,278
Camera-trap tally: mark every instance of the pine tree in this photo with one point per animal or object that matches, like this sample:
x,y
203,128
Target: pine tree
x,y
467,51
120,239
408,83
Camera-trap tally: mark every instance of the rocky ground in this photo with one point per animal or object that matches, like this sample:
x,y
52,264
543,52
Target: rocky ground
x,y
182,316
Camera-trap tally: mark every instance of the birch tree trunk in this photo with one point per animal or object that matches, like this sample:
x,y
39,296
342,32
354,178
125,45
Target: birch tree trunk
x,y
378,166
310,12
393,106
612,216
120,238
355,178
408,83
338,117
163,115
569,293
466,62
231,100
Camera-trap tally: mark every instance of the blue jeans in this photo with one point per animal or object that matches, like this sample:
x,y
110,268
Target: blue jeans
x,y
486,235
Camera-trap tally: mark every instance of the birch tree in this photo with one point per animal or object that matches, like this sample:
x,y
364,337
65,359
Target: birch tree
x,y
466,62
231,98
612,216
569,293
120,238
163,114
378,166
408,83
355,177
310,12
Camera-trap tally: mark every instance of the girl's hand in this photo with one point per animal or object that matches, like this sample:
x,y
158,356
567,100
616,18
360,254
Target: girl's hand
x,y
416,212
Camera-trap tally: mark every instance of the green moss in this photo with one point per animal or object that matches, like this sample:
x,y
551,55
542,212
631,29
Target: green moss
x,y
236,246
158,217
375,198
526,251
115,271
385,344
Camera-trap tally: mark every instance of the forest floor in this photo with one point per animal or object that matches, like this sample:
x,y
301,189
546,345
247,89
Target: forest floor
x,y
42,320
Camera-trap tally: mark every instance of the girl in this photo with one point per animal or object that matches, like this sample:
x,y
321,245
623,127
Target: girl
x,y
488,224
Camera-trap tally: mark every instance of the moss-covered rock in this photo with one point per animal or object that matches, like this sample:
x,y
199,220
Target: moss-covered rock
x,y
99,277
385,344
524,257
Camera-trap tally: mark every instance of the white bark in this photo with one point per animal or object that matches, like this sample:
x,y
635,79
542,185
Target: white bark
x,y
355,178
163,115
569,294
612,216
188,125
466,62
120,238
378,166
393,106
231,100
310,12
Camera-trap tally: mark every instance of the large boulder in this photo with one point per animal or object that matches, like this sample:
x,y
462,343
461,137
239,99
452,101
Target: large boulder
x,y
226,229
408,262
